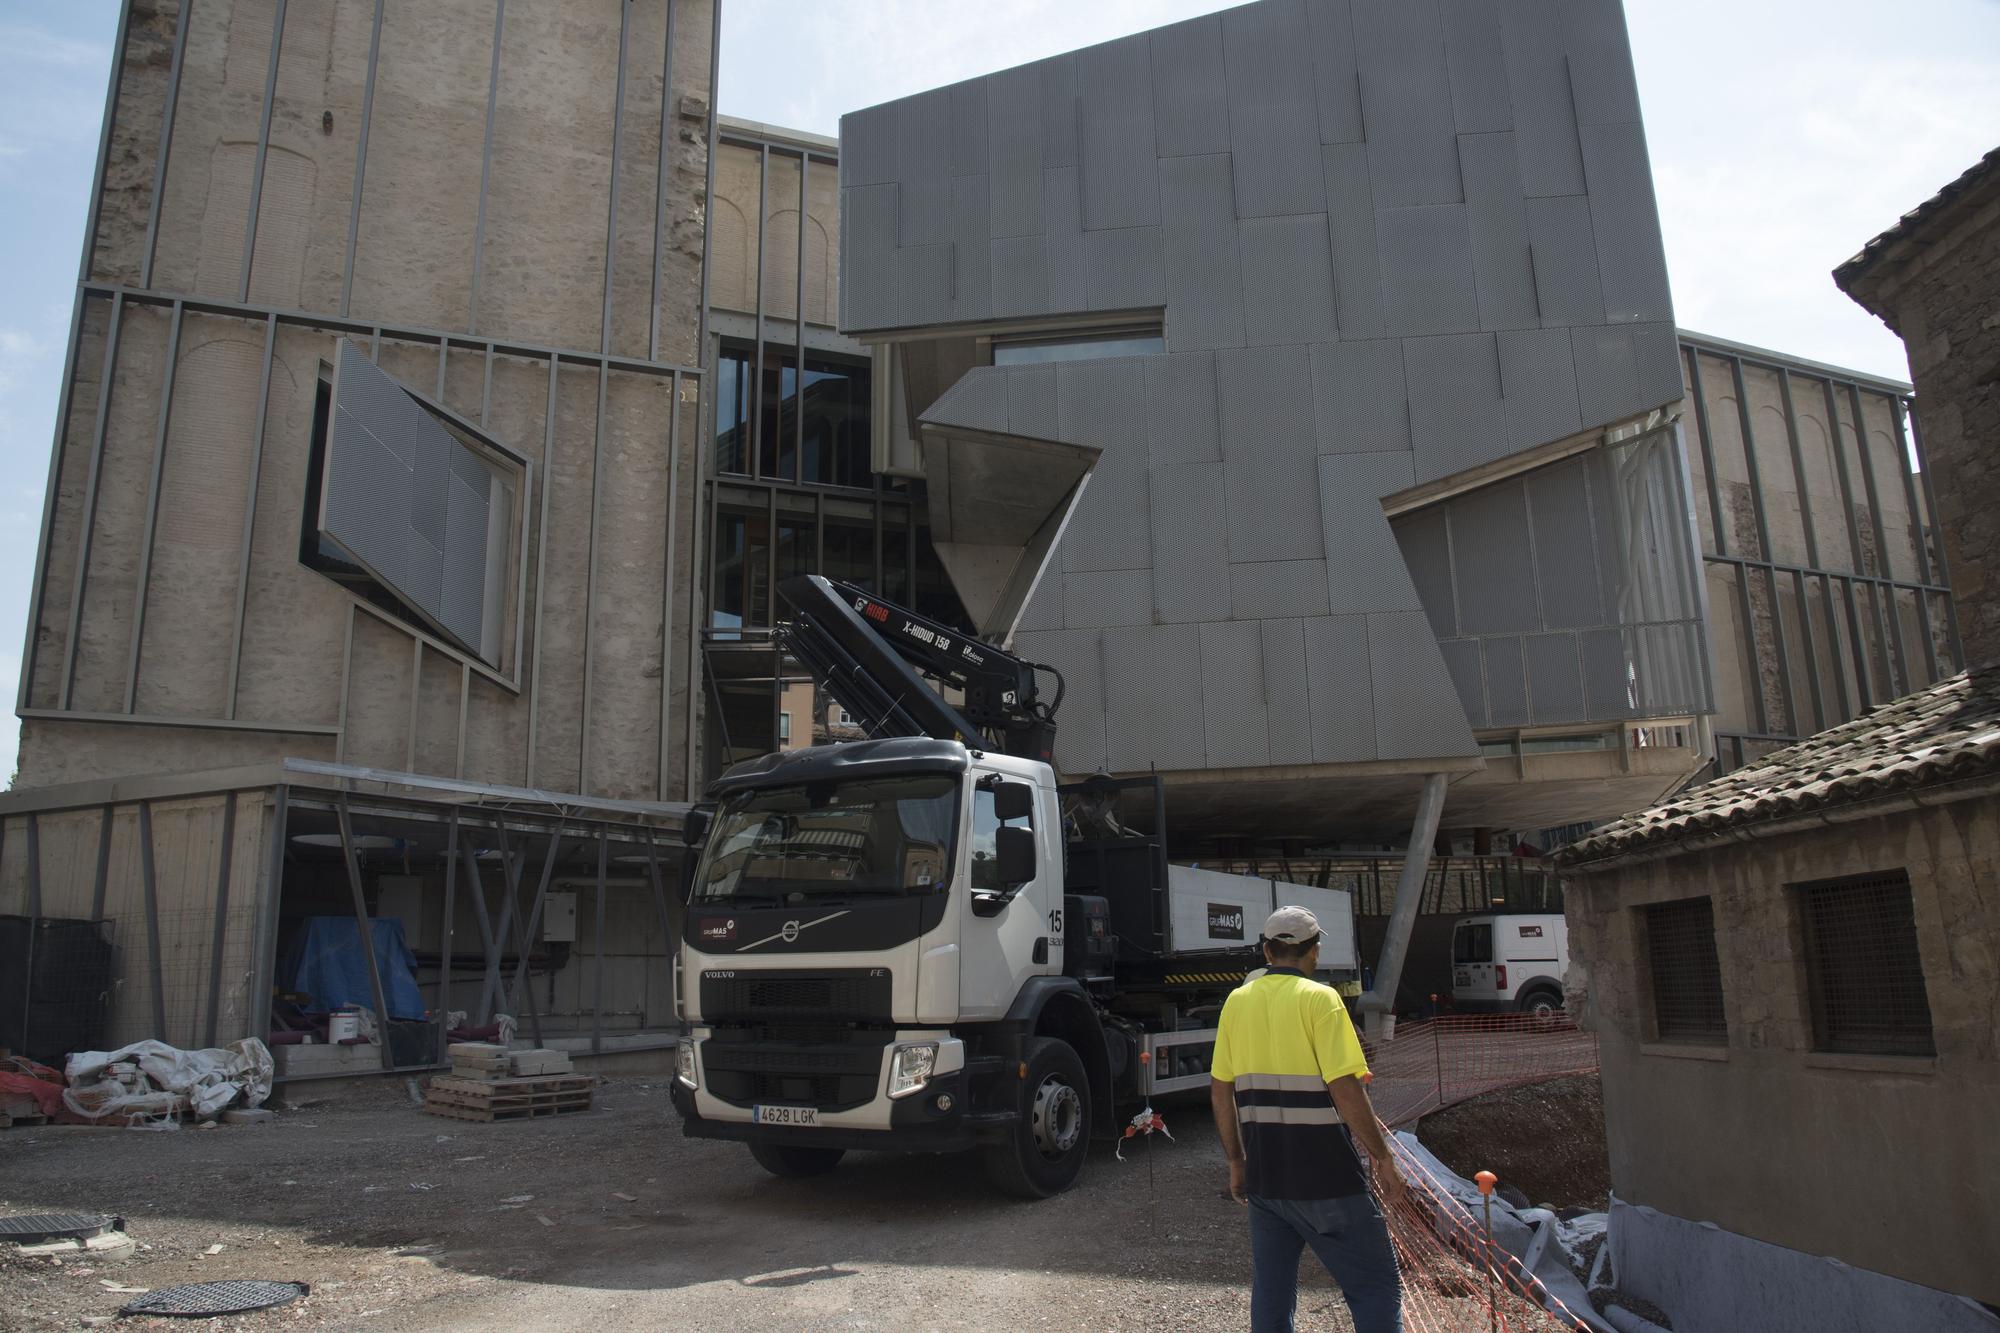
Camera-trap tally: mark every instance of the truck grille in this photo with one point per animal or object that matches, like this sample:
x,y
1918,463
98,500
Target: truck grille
x,y
859,995
833,1076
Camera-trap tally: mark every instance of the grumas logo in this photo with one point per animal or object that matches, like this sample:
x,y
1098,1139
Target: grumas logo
x,y
718,931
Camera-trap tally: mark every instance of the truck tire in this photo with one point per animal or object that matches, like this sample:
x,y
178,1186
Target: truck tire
x,y
1044,1149
796,1163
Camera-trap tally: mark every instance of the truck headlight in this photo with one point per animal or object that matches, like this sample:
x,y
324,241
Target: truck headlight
x,y
684,1062
910,1068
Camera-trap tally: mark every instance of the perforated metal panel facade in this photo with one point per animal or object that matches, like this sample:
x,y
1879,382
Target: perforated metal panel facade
x,y
1367,230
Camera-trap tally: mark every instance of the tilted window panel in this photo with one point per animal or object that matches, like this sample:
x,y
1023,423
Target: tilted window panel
x,y
1864,972
412,504
1686,974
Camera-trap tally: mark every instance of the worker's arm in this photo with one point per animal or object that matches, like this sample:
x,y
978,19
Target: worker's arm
x,y
1358,1114
1222,1100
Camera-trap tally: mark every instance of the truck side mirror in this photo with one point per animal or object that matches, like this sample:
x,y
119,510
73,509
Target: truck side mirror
x,y
694,825
1014,850
1012,801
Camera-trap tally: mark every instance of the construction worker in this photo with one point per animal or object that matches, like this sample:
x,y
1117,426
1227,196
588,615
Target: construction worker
x,y
1289,1106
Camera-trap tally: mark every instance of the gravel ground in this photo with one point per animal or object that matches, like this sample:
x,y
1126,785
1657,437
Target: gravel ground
x,y
402,1220
1545,1139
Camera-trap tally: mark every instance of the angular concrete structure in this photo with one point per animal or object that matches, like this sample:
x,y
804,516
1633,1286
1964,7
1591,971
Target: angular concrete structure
x,y
1400,463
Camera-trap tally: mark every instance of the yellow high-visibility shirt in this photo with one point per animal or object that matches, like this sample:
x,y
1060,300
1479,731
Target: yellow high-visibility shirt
x,y
1282,1039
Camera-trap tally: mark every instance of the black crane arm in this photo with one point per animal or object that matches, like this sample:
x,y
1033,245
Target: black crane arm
x,y
873,656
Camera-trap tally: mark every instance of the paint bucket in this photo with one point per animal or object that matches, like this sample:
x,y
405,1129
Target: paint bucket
x,y
343,1026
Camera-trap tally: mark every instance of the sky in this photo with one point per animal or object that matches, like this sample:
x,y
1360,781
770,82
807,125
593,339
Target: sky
x,y
1784,134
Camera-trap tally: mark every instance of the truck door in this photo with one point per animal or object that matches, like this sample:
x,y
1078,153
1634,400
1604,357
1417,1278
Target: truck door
x,y
1472,976
1009,933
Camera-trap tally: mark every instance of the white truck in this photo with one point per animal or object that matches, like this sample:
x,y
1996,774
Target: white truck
x,y
1509,962
926,943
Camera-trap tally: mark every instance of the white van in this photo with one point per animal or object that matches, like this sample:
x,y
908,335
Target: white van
x,y
1510,962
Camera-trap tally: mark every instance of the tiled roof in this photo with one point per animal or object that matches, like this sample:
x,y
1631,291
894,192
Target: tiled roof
x,y
1946,733
1859,265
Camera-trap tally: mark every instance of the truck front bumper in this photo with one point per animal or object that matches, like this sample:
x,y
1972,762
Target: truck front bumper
x,y
915,1123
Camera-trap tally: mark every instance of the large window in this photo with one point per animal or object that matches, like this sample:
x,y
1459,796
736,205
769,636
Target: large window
x,y
1686,975
1864,973
828,841
1093,347
812,430
410,509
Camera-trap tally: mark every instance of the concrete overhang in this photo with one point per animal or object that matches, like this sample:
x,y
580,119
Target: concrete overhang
x,y
998,501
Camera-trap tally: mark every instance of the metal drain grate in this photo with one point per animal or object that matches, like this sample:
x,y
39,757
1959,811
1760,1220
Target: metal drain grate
x,y
213,1298
35,1228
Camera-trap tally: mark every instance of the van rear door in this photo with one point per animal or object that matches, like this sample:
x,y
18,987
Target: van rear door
x,y
1472,959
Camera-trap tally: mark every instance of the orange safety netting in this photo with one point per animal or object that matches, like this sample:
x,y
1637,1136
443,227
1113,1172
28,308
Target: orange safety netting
x,y
1455,1280
1436,1062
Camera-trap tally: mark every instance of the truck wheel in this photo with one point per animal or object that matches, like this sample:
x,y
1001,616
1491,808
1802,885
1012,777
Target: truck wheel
x,y
795,1163
1044,1150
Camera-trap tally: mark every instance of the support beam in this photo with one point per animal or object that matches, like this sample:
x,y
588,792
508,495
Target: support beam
x,y
445,935
1379,1004
352,861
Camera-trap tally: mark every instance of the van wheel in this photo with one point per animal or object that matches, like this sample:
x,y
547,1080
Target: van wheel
x,y
796,1163
1044,1149
1544,1005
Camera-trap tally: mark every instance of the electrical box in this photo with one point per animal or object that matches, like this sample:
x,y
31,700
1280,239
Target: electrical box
x,y
559,918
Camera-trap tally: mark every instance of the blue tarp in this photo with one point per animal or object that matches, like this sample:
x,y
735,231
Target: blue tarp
x,y
330,967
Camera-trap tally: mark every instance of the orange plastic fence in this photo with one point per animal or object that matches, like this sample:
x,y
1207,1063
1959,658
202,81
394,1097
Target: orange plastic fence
x,y
1438,1061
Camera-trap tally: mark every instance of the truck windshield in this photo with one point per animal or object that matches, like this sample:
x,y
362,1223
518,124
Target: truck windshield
x,y
870,837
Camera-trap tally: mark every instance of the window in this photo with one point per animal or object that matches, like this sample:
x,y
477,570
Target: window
x,y
986,843
1472,943
1097,346
410,509
1864,974
784,728
1687,978
815,432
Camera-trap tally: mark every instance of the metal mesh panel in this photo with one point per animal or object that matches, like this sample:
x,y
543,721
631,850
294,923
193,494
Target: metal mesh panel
x,y
1331,25
1267,588
1014,150
1478,67
923,166
1493,562
1461,659
1364,565
1538,376
1190,544
1426,554
1340,687
1427,270
1287,701
968,128
1360,402
1357,264
1555,680
1059,138
868,146
868,256
1544,115
1190,101
1864,972
1565,560
1203,273
1499,222
1456,416
1607,378
1181,420
1031,401
1506,680
1124,269
1062,219
1630,254
1287,279
923,283
1564,248
1417,714
1406,102
1273,107
1153,697
1113,597
1686,976
1115,112
1233,720
1600,62
971,254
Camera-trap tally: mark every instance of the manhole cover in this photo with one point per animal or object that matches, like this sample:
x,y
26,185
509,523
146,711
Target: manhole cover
x,y
212,1298
35,1228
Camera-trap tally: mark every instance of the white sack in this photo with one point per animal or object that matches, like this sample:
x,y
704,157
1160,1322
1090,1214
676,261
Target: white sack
x,y
239,1074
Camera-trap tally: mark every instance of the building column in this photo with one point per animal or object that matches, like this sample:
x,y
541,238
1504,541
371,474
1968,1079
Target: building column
x,y
1378,1006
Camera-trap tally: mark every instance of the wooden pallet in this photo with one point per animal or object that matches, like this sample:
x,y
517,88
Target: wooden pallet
x,y
475,1113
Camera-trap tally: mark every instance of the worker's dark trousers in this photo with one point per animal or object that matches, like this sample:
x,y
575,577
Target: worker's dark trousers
x,y
1350,1238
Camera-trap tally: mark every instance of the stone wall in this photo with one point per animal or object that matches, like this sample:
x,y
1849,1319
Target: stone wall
x,y
1882,1162
172,587
1939,289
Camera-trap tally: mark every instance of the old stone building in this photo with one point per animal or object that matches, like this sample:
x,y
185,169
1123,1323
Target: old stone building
x,y
1792,973
373,457
1934,278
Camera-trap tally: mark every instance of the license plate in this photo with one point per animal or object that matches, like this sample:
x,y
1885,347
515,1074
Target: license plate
x,y
1462,978
785,1115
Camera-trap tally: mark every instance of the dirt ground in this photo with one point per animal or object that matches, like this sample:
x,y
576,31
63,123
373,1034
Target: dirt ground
x,y
402,1220
1545,1139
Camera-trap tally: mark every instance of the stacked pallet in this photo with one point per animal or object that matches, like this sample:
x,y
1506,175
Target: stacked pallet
x,y
490,1082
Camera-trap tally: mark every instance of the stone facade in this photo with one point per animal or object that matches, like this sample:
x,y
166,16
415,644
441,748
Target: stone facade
x,y
498,248
1935,280
1882,1162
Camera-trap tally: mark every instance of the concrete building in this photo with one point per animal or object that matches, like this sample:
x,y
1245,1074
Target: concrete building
x,y
374,457
1792,973
1934,278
